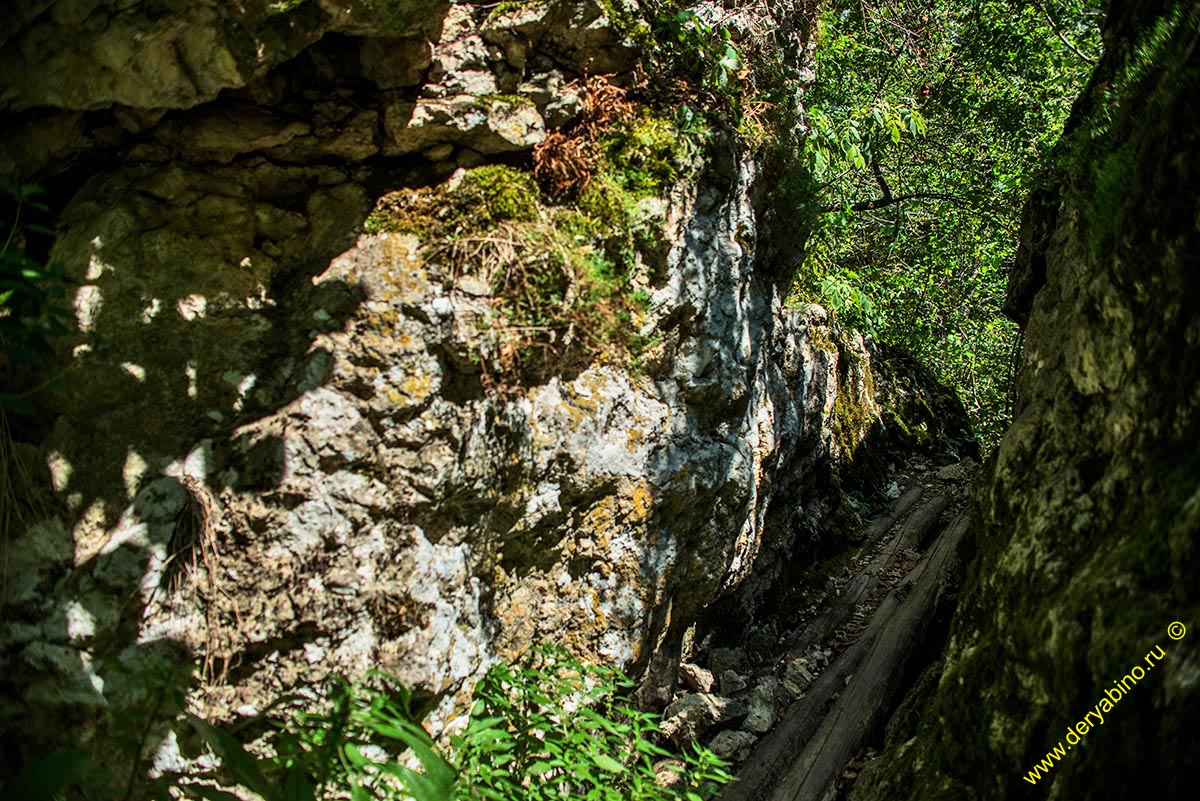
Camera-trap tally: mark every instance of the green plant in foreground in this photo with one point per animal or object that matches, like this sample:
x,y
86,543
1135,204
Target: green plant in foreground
x,y
551,728
347,743
556,729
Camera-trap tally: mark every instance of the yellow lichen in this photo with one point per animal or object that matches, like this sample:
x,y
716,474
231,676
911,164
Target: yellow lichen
x,y
643,503
633,439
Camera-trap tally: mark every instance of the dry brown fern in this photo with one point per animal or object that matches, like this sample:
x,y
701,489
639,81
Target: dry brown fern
x,y
564,165
566,161
604,105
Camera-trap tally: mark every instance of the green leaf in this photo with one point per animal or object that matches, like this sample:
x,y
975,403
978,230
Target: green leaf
x,y
47,777
239,762
296,786
608,763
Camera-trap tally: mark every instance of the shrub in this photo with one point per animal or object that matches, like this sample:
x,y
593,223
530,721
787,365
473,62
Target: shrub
x,y
555,728
33,298
551,728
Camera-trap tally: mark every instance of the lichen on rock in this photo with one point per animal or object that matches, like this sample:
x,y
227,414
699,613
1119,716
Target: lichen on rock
x,y
288,447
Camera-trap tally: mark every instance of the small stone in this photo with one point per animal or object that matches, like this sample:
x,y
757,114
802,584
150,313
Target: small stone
x,y
696,678
762,706
669,773
731,683
562,109
957,472
723,659
472,286
731,744
470,82
797,676
692,715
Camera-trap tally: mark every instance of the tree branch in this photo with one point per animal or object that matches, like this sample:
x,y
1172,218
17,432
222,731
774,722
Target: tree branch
x,y
888,199
884,202
1058,32
879,179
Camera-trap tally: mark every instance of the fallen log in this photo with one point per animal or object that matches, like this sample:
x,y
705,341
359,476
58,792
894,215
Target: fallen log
x,y
801,759
870,694
915,530
859,589
773,755
899,509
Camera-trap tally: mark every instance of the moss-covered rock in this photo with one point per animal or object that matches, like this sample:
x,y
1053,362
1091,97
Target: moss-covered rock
x,y
1086,518
645,155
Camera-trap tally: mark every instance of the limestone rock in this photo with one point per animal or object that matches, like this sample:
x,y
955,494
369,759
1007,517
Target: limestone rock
x,y
688,718
93,53
721,660
733,744
321,402
798,674
696,678
762,706
485,125
731,682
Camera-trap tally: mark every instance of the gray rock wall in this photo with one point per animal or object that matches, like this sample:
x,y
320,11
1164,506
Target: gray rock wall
x,y
273,456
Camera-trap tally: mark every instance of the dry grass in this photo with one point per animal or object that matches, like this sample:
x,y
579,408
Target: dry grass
x,y
20,498
192,563
554,313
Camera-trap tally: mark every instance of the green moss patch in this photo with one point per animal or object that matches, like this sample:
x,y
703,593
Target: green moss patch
x,y
561,275
645,155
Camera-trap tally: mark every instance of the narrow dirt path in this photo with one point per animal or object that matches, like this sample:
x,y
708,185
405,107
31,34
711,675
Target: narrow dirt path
x,y
793,724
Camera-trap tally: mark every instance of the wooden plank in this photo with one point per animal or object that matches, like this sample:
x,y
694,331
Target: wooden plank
x,y
858,589
774,754
915,530
884,524
869,695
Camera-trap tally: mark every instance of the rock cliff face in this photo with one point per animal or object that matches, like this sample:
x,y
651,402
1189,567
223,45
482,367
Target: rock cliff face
x,y
1086,519
281,451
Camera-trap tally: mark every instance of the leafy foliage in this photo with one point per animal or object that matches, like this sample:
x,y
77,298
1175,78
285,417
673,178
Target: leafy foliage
x,y
555,729
33,296
928,124
551,728
724,62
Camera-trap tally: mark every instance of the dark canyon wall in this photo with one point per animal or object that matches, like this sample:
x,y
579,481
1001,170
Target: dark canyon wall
x,y
1088,515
